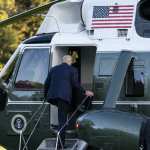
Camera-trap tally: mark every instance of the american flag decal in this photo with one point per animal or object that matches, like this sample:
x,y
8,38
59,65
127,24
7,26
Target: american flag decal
x,y
118,16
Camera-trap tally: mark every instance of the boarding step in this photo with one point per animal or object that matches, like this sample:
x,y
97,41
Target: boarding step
x,y
70,144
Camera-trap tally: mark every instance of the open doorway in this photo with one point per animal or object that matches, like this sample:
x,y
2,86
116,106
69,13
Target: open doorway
x,y
84,60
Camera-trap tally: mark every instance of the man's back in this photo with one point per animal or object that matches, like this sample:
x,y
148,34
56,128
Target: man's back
x,y
60,82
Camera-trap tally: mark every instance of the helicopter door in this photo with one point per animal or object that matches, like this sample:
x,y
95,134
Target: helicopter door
x,y
84,59
26,91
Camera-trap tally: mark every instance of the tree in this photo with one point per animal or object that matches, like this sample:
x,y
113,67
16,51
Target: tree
x,y
12,35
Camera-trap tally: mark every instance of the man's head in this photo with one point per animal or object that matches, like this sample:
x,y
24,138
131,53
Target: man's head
x,y
67,59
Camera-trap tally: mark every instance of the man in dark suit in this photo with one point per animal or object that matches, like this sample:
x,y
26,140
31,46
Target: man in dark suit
x,y
58,89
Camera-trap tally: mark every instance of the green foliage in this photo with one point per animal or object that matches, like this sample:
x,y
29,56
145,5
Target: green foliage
x,y
40,1
12,35
3,15
26,4
7,5
9,39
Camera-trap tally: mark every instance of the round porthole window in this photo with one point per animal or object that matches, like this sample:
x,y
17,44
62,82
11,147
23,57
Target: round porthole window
x,y
18,123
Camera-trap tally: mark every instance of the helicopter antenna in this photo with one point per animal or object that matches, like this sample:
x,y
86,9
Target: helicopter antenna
x,y
27,13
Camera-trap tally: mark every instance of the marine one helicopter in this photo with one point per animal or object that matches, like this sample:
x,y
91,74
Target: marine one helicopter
x,y
111,41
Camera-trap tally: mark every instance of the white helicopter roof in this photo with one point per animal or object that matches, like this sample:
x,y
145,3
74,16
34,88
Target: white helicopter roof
x,y
107,24
104,18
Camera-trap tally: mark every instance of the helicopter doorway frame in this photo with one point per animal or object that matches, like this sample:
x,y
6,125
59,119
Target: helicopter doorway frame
x,y
86,58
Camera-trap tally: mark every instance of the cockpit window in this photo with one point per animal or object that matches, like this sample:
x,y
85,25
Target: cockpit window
x,y
33,69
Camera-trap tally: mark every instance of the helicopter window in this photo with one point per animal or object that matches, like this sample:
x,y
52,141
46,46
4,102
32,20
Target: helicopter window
x,y
107,66
33,69
103,70
135,81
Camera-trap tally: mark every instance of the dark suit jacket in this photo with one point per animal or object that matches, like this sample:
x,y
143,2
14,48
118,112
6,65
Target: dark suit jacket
x,y
60,82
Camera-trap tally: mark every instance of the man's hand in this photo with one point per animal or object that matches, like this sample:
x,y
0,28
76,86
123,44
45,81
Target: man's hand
x,y
89,93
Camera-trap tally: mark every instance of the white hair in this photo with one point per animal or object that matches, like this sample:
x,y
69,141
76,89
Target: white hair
x,y
67,59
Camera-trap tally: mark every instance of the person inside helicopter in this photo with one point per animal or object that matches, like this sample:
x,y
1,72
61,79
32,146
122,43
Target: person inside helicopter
x,y
78,95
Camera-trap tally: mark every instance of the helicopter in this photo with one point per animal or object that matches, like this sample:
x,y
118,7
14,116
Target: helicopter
x,y
110,41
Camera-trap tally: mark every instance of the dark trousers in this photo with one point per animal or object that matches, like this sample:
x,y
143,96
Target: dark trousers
x,y
63,111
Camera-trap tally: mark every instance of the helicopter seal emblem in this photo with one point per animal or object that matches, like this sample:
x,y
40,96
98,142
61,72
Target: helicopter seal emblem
x,y
18,123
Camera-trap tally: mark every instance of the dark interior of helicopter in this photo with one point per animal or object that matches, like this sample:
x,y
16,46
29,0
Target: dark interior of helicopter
x,y
83,59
